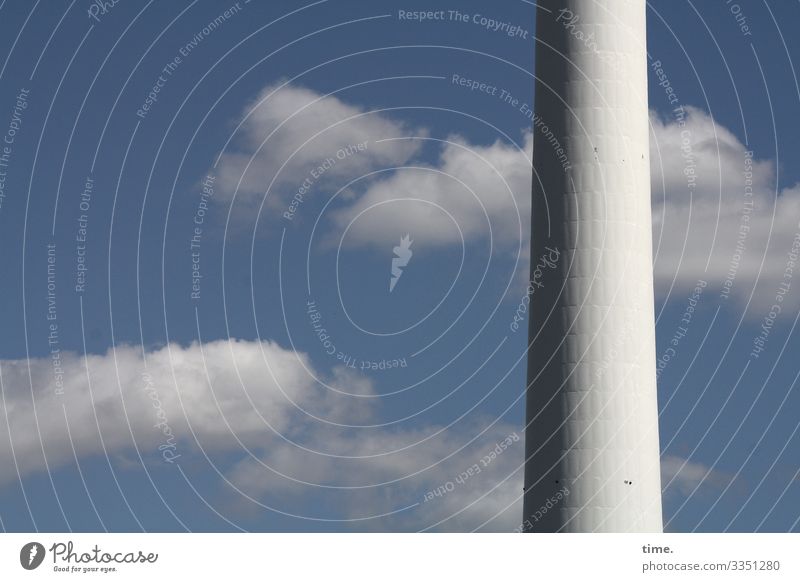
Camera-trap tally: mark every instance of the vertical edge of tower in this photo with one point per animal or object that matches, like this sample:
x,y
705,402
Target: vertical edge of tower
x,y
592,450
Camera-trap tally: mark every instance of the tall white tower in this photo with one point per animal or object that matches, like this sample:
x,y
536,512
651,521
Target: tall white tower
x,y
592,451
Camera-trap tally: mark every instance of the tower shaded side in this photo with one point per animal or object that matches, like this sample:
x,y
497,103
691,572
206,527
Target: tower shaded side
x,y
592,451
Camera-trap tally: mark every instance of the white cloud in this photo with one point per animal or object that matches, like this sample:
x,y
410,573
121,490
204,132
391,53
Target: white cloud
x,y
357,475
698,190
706,224
289,131
227,390
398,471
227,395
470,191
700,171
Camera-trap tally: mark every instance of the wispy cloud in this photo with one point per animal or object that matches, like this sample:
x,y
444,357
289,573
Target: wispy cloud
x,y
296,440
684,477
288,132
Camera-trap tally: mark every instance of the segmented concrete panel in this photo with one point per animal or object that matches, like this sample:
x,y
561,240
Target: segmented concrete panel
x,y
592,413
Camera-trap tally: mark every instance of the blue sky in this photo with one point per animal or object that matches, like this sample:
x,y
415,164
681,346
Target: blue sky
x,y
298,144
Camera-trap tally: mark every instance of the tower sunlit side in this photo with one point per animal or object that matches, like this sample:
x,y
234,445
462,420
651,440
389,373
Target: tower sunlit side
x,y
592,450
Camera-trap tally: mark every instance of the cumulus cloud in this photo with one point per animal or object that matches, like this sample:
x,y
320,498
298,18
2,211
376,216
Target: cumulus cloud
x,y
717,214
229,395
472,191
178,398
289,132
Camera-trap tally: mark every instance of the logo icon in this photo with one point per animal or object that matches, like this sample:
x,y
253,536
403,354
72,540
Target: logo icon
x,y
31,555
402,257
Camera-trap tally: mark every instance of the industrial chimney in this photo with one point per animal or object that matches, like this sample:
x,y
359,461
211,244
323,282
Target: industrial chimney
x,y
591,440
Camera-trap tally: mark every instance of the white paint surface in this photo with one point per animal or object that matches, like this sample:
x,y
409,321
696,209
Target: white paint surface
x,y
592,408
